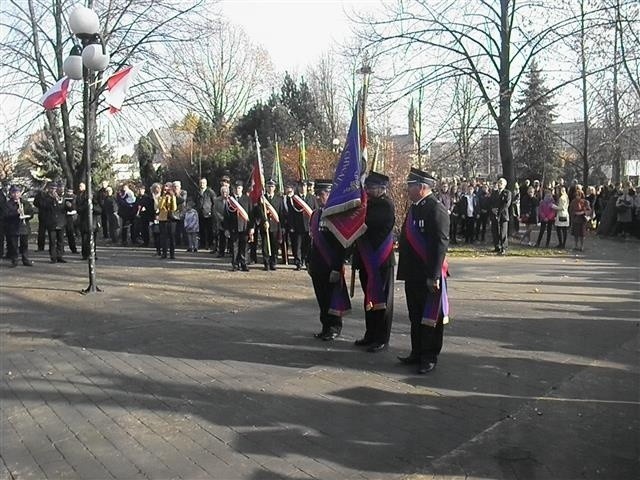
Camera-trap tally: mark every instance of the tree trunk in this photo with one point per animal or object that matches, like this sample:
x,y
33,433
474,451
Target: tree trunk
x,y
585,110
617,151
504,117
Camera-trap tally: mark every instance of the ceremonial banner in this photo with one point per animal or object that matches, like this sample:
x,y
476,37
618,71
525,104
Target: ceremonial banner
x,y
345,211
257,176
302,160
276,171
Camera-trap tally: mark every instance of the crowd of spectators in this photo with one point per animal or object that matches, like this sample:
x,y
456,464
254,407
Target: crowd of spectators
x,y
167,216
537,210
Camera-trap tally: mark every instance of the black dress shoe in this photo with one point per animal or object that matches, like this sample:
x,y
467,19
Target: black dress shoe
x,y
61,260
27,263
245,268
363,342
298,268
409,360
426,367
53,260
330,336
319,335
377,347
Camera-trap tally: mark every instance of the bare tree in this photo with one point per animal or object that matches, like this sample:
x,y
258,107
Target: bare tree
x,y
324,81
490,42
225,73
37,39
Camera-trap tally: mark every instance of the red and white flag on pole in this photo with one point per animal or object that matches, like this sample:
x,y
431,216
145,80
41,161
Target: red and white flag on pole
x,y
118,86
57,94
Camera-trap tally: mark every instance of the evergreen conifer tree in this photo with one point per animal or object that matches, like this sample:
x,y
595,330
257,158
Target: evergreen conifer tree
x,y
534,141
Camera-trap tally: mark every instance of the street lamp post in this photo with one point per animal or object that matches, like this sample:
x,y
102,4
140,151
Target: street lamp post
x,y
85,59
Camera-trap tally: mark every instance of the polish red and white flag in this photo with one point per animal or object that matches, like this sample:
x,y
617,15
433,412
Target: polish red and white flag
x,y
118,86
57,94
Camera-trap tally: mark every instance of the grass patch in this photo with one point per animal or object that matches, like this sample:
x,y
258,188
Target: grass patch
x,y
516,250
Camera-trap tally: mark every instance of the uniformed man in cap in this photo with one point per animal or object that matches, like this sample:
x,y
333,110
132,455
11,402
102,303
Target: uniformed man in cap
x,y
299,209
326,268
422,265
374,258
238,226
267,219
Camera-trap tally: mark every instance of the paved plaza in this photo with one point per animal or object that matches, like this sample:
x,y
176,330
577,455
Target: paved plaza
x,y
184,369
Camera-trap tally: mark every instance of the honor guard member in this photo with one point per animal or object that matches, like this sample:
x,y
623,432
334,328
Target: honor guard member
x,y
422,265
269,226
500,205
238,226
56,214
326,268
374,258
300,208
18,214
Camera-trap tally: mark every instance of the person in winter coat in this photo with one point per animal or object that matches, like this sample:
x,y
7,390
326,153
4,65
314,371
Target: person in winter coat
x,y
562,217
547,217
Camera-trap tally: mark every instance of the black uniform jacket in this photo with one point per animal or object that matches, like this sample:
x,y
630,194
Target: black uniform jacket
x,y
16,225
259,214
233,222
379,219
316,262
432,220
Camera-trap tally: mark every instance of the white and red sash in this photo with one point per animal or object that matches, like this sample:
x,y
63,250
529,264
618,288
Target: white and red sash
x,y
302,205
235,207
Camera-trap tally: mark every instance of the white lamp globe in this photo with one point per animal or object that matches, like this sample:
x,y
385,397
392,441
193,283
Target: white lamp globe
x,y
83,20
93,58
72,67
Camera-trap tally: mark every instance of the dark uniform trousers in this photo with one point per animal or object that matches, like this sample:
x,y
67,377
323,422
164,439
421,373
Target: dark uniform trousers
x,y
378,322
323,290
238,243
426,341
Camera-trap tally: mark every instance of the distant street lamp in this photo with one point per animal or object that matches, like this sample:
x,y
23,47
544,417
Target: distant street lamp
x,y
85,59
336,144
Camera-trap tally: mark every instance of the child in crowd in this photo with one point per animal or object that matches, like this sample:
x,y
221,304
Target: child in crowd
x,y
191,227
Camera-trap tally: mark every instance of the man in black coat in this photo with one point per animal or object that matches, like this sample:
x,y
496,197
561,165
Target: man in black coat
x,y
42,217
423,245
17,216
204,199
500,204
72,219
374,258
326,268
82,202
56,215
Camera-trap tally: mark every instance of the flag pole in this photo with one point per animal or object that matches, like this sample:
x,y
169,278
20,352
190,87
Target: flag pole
x,y
262,199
